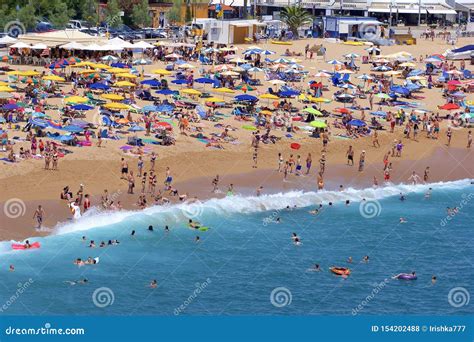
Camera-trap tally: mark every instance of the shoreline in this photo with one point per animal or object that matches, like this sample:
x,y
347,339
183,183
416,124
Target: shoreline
x,y
444,166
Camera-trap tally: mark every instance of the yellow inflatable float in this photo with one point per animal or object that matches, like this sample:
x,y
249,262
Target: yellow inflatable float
x,y
280,42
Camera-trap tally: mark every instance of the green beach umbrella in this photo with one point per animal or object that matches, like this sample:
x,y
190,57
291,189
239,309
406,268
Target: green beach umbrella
x,y
318,124
313,111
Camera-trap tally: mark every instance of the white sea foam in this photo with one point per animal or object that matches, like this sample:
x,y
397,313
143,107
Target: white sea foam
x,y
96,218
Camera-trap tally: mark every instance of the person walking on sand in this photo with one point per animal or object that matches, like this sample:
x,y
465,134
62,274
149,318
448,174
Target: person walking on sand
x,y
309,161
375,139
124,165
426,175
361,161
469,139
131,182
215,184
140,166
280,162
449,134
39,215
350,156
322,164
152,161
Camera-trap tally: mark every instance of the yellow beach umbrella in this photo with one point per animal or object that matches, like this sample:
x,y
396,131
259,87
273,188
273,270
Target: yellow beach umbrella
x,y
191,91
186,66
408,65
82,64
269,97
29,73
115,97
3,84
75,99
117,71
86,71
224,90
116,105
53,78
126,75
161,72
100,66
266,112
14,73
318,99
6,89
124,84
214,99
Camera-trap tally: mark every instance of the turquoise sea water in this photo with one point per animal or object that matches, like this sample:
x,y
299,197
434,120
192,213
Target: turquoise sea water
x,y
246,263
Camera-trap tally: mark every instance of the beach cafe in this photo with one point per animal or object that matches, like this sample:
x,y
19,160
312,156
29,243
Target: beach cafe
x,y
352,28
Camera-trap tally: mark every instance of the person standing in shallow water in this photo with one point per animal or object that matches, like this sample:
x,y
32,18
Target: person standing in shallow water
x,y
361,161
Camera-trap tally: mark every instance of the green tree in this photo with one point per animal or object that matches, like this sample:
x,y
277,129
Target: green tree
x,y
26,15
113,17
88,10
58,13
140,15
174,14
295,17
188,14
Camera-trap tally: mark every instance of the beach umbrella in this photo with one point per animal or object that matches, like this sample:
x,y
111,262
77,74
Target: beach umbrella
x,y
186,66
318,124
365,77
237,60
269,97
6,89
343,110
379,113
382,68
449,106
118,65
318,99
224,90
214,99
10,106
230,73
454,72
255,69
408,65
372,49
163,125
245,87
347,86
281,60
454,82
392,73
76,99
161,72
99,86
165,108
289,93
53,78
383,96
136,128
335,62
141,61
100,66
357,123
82,107
179,81
204,80
116,105
124,84
150,108
72,129
114,97
3,84
152,83
266,52
55,65
167,92
313,111
173,56
277,82
191,92
109,58
322,74
126,75
245,98
351,55
4,95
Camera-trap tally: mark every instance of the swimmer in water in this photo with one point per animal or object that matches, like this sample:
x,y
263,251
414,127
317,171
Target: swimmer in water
x,y
154,284
348,202
80,282
277,220
167,229
428,193
402,220
349,260
316,268
92,244
296,239
12,268
314,212
193,224
197,239
365,259
433,280
150,228
402,197
133,233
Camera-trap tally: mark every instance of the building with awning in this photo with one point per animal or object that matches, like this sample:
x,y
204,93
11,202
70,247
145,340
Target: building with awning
x,y
61,37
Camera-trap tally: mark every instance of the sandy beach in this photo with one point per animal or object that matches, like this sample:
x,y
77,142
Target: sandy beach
x,y
193,165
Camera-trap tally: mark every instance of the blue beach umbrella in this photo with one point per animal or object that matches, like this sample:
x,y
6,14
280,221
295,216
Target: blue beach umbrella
x,y
245,97
82,107
99,86
204,80
165,108
10,106
73,129
136,128
379,113
166,92
152,83
357,123
179,81
150,108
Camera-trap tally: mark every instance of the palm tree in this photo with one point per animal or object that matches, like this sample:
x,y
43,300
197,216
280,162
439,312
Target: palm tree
x,y
295,17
